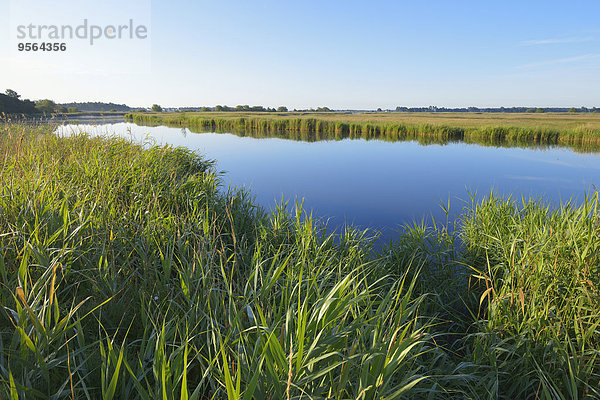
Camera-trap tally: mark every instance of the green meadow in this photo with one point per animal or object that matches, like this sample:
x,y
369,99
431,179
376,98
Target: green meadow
x,y
131,272
578,131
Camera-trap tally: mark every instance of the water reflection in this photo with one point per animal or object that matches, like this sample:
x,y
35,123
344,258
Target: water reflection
x,y
377,184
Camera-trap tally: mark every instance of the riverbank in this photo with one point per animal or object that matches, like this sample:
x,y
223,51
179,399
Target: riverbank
x,y
130,272
579,130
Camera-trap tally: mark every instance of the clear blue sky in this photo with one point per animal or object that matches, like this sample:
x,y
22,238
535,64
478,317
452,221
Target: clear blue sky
x,y
341,54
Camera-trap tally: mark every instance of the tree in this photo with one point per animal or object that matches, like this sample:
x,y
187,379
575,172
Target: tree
x,y
72,109
379,109
572,110
12,105
45,106
156,108
12,93
540,110
282,109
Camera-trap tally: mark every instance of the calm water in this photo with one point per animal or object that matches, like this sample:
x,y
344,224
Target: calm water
x,y
377,184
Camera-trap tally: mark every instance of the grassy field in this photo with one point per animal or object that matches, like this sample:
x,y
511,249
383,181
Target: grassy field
x,y
576,130
130,273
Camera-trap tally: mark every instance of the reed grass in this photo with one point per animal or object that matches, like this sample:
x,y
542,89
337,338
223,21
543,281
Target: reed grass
x,y
540,325
130,272
579,134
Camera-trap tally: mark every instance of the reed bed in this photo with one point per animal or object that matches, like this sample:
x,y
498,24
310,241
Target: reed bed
x,y
130,272
540,270
320,127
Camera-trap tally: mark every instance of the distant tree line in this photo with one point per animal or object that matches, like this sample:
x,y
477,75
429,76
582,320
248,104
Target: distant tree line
x,y
48,107
10,103
245,107
97,106
500,109
248,108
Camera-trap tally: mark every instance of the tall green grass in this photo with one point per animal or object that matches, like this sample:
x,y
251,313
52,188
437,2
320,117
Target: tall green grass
x,y
314,128
540,325
129,272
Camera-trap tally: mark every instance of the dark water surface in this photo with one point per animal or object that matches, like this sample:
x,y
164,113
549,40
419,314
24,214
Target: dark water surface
x,y
376,184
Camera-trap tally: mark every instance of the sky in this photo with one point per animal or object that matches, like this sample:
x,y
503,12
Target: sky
x,y
339,54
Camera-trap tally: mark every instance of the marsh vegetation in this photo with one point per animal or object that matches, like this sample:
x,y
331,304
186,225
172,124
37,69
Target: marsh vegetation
x,y
131,272
577,131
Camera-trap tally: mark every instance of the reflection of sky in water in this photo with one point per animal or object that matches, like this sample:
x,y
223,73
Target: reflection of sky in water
x,y
379,184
